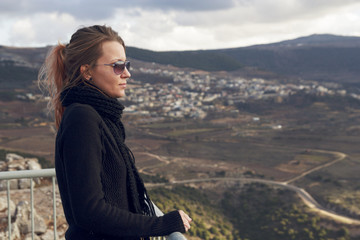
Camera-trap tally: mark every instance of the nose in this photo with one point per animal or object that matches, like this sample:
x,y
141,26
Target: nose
x,y
125,73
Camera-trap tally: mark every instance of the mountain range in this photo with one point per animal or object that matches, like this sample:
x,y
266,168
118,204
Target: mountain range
x,y
320,57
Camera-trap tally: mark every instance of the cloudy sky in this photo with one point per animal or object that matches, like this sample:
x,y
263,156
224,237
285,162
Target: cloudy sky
x,y
177,24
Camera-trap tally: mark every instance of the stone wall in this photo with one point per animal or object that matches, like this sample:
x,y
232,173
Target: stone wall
x,y
21,222
14,162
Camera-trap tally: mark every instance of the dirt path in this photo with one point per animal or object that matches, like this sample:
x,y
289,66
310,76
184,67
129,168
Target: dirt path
x,y
162,159
339,156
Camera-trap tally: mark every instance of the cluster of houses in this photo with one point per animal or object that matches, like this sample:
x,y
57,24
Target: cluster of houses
x,y
194,94
191,94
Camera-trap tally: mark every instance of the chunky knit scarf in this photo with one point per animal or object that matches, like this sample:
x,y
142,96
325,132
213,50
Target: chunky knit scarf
x,y
110,109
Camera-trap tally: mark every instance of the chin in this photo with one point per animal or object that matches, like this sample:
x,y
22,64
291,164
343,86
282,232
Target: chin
x,y
120,95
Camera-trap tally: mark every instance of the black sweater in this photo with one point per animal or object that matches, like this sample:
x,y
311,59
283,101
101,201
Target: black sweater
x,y
92,182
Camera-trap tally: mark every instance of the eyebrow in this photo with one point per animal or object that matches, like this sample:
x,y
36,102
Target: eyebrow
x,y
118,59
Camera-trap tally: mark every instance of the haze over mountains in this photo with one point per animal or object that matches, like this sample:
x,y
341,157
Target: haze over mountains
x,y
316,57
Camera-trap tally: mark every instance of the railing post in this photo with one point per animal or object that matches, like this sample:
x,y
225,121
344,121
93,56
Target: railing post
x,y
54,207
9,210
32,208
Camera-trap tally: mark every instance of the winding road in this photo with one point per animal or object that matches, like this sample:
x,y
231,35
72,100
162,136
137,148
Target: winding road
x,y
339,156
305,196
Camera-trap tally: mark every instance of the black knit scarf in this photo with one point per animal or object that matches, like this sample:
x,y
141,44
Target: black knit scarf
x,y
110,109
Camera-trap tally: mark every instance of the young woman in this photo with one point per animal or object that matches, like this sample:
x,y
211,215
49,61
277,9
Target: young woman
x,y
102,193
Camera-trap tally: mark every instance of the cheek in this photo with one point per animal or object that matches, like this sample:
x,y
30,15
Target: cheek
x,y
111,84
106,79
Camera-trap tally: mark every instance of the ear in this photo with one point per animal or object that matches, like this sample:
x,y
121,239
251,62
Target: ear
x,y
85,71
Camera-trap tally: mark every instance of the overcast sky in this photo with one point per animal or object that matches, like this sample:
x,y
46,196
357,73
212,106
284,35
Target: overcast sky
x,y
177,24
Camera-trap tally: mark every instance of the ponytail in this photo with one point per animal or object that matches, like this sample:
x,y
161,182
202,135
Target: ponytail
x,y
52,77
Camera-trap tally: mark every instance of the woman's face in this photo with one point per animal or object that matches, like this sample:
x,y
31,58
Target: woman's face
x,y
103,76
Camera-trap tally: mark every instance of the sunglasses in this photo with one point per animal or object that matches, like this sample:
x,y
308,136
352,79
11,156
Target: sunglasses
x,y
118,66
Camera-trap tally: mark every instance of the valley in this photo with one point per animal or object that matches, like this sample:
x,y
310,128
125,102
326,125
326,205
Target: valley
x,y
189,127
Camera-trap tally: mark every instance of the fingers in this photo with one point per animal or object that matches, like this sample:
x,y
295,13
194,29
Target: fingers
x,y
186,220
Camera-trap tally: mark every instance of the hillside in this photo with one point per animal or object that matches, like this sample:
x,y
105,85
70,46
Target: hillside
x,y
19,66
278,215
316,57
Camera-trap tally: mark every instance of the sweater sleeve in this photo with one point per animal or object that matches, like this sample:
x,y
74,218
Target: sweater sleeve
x,y
80,148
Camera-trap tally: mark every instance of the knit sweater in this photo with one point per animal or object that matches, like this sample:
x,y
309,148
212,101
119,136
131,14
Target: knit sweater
x,y
92,179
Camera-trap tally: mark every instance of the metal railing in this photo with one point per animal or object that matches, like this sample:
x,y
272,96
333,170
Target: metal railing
x,y
31,174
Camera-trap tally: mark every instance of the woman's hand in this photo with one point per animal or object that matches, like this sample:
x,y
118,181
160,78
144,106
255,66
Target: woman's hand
x,y
186,220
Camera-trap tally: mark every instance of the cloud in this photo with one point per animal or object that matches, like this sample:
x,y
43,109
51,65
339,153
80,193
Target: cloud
x,y
262,11
177,25
79,9
244,24
184,5
278,10
41,29
95,10
23,30
159,33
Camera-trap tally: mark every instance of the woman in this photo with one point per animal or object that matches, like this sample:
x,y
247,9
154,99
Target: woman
x,y
102,193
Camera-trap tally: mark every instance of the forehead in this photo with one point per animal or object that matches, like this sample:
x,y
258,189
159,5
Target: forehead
x,y
112,50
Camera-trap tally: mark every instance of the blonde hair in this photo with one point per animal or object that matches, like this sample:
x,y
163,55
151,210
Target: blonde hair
x,y
61,69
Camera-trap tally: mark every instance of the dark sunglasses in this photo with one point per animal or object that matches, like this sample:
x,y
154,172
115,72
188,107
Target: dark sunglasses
x,y
118,66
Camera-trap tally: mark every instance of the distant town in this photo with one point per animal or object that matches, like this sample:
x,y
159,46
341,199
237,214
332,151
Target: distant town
x,y
192,94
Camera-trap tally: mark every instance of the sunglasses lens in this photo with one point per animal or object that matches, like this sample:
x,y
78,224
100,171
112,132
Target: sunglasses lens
x,y
119,68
